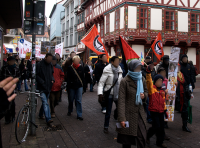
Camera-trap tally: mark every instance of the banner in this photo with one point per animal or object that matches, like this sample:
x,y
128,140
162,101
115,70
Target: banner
x,y
59,49
172,79
37,54
24,47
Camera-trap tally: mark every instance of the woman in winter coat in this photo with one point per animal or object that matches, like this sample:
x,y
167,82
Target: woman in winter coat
x,y
132,94
112,73
75,86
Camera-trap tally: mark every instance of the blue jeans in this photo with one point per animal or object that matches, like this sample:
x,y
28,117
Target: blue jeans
x,y
45,107
91,87
19,85
108,112
75,94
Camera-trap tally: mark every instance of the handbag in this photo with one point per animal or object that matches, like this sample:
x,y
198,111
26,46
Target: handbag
x,y
77,75
106,95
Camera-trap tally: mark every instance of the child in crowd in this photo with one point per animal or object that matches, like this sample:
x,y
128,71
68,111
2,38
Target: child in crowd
x,y
157,107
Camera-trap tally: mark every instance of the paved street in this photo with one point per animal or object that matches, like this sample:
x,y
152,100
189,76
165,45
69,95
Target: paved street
x,y
89,132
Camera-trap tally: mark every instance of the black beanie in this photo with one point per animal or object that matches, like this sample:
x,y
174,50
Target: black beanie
x,y
10,58
157,77
184,56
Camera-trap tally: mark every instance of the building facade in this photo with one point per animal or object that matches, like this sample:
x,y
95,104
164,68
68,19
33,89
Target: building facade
x,y
139,22
55,27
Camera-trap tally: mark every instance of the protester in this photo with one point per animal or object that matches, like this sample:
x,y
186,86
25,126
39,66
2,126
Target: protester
x,y
153,72
99,67
29,71
10,70
89,75
158,65
132,94
193,71
112,76
17,60
147,59
75,86
55,90
7,86
59,60
157,108
24,76
165,64
45,80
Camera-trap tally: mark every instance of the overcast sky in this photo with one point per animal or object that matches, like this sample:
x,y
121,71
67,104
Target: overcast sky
x,y
49,7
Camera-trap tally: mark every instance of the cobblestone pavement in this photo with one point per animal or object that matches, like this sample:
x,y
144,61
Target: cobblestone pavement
x,y
89,132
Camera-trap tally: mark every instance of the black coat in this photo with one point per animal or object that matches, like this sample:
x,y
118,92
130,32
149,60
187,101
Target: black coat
x,y
23,71
88,78
98,71
44,76
193,72
187,72
73,81
5,72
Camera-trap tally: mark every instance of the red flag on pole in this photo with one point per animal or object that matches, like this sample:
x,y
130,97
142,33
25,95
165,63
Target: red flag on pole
x,y
157,47
93,41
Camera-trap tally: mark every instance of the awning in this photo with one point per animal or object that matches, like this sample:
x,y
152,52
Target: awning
x,y
79,52
11,48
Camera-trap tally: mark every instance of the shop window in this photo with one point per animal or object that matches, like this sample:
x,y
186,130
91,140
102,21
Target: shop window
x,y
143,18
169,20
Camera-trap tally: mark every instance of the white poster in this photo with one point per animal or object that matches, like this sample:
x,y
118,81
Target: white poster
x,y
59,49
24,47
37,54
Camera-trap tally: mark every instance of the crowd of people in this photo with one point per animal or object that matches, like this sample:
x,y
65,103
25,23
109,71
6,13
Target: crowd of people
x,y
139,94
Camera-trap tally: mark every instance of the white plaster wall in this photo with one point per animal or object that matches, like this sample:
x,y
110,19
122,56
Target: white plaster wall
x,y
132,17
138,49
192,55
112,21
184,2
167,50
121,17
171,3
98,25
182,21
112,52
156,19
104,24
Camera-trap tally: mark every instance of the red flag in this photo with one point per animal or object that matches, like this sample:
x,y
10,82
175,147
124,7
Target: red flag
x,y
157,47
127,51
93,41
4,49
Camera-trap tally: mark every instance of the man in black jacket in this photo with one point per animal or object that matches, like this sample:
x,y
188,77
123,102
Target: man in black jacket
x,y
165,64
45,80
7,86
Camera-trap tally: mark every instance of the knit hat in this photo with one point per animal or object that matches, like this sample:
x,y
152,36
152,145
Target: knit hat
x,y
54,58
10,58
184,56
133,64
165,58
157,77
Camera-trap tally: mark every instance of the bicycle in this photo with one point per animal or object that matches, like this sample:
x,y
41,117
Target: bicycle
x,y
23,120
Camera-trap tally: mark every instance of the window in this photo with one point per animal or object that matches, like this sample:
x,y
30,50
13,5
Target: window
x,y
68,24
117,16
67,10
195,23
169,20
67,41
90,9
75,38
102,30
79,2
83,16
78,19
143,18
118,52
107,23
72,21
72,6
71,39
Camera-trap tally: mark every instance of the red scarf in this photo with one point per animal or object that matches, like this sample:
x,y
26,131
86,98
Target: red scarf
x,y
76,66
181,80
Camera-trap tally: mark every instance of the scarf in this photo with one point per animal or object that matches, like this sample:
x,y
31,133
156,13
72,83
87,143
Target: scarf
x,y
137,76
76,66
116,87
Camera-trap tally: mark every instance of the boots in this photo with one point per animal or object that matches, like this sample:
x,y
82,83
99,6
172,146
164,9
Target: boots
x,y
185,128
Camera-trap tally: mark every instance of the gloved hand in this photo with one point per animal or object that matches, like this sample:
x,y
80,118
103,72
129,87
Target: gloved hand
x,y
148,69
166,114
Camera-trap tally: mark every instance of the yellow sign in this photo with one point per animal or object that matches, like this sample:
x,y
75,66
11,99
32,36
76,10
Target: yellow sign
x,y
28,55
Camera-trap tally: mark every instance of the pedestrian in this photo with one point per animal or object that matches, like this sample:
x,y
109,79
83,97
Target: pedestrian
x,y
111,77
56,88
158,65
10,70
24,76
45,80
7,86
157,108
29,66
75,84
165,64
132,94
193,71
89,75
98,71
59,60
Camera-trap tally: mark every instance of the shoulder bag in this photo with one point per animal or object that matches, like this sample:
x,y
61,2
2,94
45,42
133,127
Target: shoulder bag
x,y
77,75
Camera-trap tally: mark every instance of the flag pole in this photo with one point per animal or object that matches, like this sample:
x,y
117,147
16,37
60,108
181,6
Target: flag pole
x,y
88,31
148,52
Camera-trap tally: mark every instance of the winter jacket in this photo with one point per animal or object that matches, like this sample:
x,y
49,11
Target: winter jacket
x,y
106,80
58,76
187,72
44,76
193,72
88,78
23,71
153,72
127,109
73,81
66,66
99,70
156,97
5,72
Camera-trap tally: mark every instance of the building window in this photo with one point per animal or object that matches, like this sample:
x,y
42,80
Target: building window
x,y
72,6
67,41
68,24
143,18
67,10
195,23
83,16
75,38
63,27
102,30
78,18
71,39
107,23
169,20
72,22
117,17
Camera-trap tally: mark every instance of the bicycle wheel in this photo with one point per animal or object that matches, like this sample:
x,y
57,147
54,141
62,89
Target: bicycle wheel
x,y
22,124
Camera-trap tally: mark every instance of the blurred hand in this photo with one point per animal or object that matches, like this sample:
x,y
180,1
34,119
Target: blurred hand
x,y
8,86
123,124
141,95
